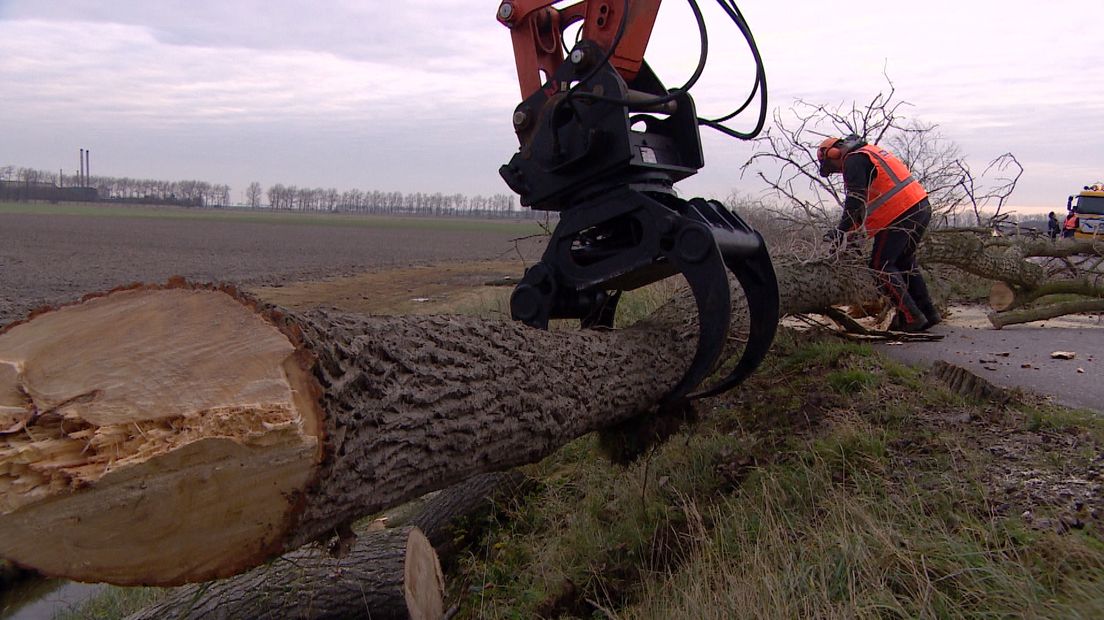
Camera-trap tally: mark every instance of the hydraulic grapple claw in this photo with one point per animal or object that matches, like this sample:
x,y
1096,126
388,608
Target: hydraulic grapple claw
x,y
625,239
752,267
603,142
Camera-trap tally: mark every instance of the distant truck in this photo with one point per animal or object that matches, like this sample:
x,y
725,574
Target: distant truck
x,y
1088,205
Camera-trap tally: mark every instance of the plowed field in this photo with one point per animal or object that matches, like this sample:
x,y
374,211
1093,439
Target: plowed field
x,y
50,254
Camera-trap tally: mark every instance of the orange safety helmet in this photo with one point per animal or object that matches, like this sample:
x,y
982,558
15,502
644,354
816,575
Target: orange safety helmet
x,y
831,152
830,156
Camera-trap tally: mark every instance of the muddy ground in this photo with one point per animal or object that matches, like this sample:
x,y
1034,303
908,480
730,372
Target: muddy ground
x,y
50,259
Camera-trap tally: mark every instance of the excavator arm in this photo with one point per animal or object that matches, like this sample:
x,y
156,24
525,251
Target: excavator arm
x,y
602,142
536,28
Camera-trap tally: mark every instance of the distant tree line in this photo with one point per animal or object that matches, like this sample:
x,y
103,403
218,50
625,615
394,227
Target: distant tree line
x,y
290,197
278,196
126,189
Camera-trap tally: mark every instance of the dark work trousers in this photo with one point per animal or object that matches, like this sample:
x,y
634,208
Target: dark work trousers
x,y
894,261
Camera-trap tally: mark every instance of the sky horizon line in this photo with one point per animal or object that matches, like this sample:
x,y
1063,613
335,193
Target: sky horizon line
x,y
421,94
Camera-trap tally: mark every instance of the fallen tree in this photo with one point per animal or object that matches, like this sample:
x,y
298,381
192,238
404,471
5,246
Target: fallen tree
x,y
179,433
1040,279
167,434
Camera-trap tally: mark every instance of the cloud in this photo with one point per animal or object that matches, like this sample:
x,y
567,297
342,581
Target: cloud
x,y
394,33
121,73
341,92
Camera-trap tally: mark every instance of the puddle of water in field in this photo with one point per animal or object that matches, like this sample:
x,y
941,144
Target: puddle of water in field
x,y
40,599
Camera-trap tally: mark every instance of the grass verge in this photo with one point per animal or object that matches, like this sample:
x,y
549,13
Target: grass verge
x,y
835,484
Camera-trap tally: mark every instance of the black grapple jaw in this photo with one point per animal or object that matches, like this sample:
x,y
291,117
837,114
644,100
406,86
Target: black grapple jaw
x,y
626,239
608,165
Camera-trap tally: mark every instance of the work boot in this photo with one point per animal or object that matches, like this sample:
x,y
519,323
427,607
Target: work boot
x,y
909,318
930,313
918,323
934,318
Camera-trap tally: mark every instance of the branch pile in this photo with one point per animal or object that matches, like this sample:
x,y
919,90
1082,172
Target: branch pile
x,y
1044,279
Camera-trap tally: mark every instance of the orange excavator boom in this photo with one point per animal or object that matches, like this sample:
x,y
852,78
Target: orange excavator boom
x,y
536,28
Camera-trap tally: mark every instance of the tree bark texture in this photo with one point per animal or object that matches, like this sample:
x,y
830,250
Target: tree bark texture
x,y
1042,313
307,583
386,574
1016,263
388,409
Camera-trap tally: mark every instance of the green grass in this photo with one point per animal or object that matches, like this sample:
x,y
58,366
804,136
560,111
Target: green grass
x,y
521,228
851,380
834,484
1041,416
637,304
113,603
830,487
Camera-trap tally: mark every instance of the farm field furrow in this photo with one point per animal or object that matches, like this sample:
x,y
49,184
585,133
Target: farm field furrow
x,y
53,258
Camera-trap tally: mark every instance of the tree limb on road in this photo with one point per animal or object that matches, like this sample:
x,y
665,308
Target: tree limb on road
x,y
1033,269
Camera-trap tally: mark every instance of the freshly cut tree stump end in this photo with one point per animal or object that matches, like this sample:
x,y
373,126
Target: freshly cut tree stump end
x,y
423,581
183,407
1001,296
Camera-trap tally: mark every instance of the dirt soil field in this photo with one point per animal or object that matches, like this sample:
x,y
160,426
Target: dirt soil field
x,y
453,287
50,259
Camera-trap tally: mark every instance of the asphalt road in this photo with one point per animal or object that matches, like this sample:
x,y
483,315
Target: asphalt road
x,y
1019,356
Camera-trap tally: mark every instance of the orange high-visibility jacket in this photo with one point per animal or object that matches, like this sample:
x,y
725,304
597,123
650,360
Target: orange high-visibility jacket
x,y
892,192
1071,222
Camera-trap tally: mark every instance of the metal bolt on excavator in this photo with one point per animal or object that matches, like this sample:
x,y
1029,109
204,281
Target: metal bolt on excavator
x,y
603,142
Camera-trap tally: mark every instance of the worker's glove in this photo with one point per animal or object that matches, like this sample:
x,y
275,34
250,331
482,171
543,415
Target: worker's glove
x,y
835,238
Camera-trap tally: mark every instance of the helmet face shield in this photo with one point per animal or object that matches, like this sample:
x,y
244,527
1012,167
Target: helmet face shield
x,y
829,156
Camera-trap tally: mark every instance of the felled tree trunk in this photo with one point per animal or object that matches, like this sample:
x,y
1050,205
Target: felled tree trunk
x,y
161,435
1025,282
369,580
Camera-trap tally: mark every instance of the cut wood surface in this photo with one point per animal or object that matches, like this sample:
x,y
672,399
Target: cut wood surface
x,y
212,485
145,412
1001,296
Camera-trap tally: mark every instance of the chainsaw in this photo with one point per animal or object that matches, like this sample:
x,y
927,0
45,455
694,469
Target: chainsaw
x,y
602,143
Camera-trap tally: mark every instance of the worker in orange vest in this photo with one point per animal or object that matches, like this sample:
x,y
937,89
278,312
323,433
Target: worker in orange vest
x,y
882,196
1069,227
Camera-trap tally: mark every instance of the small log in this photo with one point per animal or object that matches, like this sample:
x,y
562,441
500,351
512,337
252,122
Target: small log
x,y
1044,312
239,596
387,574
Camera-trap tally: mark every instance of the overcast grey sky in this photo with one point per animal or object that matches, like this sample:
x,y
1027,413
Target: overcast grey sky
x,y
416,95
